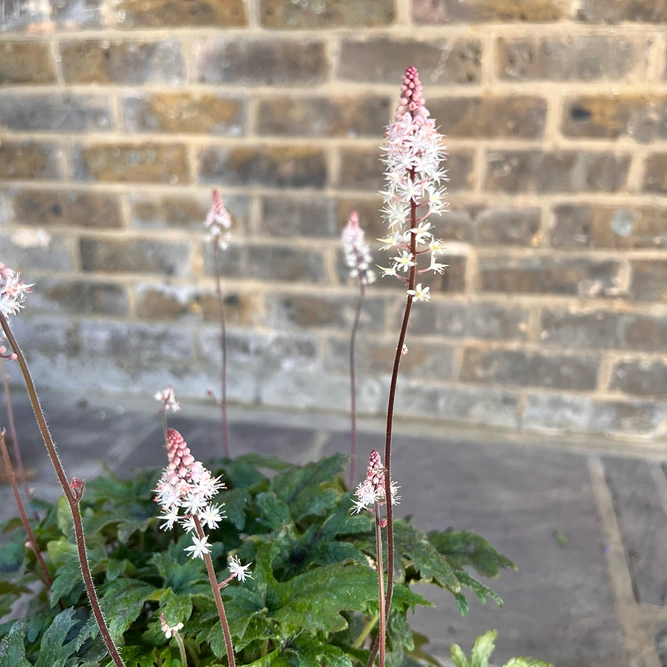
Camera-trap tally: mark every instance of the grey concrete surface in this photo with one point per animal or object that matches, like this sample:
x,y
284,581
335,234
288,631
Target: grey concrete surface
x,y
589,600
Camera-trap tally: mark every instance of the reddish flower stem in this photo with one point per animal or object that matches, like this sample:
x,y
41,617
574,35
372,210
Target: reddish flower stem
x,y
223,344
218,598
12,432
24,517
390,425
383,614
353,384
72,500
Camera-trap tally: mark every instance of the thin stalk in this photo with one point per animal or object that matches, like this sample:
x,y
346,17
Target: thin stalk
x,y
216,594
12,432
390,422
353,384
181,648
383,613
24,518
223,344
72,500
359,641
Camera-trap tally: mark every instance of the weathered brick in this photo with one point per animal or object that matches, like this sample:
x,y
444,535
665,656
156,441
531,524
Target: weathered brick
x,y
508,227
608,227
290,216
560,171
649,280
47,208
655,173
486,11
517,117
274,263
604,329
324,310
524,368
324,116
469,320
80,297
642,117
55,112
459,404
369,215
278,14
20,15
26,62
184,112
603,11
26,251
384,60
277,166
73,14
253,61
583,277
124,62
568,58
182,13
183,212
47,336
178,302
641,378
30,159
428,361
170,258
361,169
134,163
584,415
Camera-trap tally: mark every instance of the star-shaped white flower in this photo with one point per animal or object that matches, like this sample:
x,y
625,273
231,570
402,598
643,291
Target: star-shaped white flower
x,y
420,293
404,261
210,516
170,517
239,571
199,547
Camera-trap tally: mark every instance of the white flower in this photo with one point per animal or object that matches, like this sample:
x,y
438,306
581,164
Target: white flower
x,y
421,232
356,251
199,548
237,570
170,517
437,267
367,495
168,399
194,502
404,261
12,291
420,293
189,524
210,516
169,630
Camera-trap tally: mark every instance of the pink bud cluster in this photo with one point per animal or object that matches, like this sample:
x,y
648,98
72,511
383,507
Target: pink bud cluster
x,y
372,490
356,251
413,153
218,222
12,291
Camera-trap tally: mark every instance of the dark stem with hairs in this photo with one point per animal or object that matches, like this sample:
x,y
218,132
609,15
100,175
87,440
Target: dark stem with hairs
x,y
223,344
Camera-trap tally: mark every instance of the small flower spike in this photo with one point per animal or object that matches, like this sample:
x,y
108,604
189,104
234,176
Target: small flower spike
x,y
218,222
168,399
356,251
372,490
169,631
413,153
188,486
12,291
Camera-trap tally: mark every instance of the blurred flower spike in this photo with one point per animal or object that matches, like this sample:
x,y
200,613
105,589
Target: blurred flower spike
x,y
218,222
356,251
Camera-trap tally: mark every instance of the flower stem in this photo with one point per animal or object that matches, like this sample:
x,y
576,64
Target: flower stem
x,y
353,384
359,642
223,344
181,648
12,432
383,613
69,494
24,518
218,598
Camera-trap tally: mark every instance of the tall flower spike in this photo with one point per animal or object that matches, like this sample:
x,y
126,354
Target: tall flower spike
x,y
218,221
356,251
413,153
372,489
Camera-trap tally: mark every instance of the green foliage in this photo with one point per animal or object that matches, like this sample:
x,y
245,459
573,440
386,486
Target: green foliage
x,y
313,592
481,653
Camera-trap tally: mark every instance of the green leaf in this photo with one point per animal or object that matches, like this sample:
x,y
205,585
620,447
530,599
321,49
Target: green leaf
x,y
315,600
122,603
462,548
458,656
302,488
342,522
12,560
402,595
481,651
272,511
419,653
68,578
53,652
307,650
461,603
12,647
412,543
527,662
236,502
265,461
64,515
336,552
480,590
274,659
138,656
176,608
115,568
179,571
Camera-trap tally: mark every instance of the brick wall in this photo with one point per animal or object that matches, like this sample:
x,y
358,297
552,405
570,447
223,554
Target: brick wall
x,y
117,117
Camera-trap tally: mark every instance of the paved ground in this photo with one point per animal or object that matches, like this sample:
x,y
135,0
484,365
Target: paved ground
x,y
599,600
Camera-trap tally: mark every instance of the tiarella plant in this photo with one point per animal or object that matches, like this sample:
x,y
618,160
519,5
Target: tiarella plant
x,y
332,572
